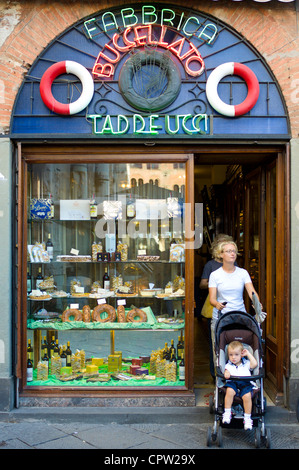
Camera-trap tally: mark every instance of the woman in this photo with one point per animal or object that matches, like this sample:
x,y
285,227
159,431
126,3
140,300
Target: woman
x,y
210,266
226,284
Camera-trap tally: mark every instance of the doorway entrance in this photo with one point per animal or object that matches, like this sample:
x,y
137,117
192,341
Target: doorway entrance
x,y
244,195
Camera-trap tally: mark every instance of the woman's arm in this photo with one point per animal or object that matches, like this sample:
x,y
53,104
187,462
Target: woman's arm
x,y
204,283
250,289
213,298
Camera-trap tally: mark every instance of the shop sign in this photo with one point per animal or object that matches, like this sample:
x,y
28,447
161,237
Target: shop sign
x,y
160,72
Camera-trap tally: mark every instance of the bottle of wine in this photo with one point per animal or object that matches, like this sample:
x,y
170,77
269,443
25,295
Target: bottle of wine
x,y
49,247
172,348
93,208
68,353
173,358
45,357
56,349
39,278
179,348
63,357
52,346
29,350
166,353
182,368
29,370
106,280
29,282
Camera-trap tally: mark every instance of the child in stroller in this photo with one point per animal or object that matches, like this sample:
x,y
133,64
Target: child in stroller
x,y
240,362
242,327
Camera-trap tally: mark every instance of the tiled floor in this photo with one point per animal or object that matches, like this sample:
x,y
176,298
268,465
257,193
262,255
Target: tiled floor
x,y
202,376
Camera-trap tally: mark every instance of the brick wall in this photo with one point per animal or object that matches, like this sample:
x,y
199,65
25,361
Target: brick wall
x,y
28,26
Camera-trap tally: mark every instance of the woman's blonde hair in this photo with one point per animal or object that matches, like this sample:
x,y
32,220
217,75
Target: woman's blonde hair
x,y
221,237
220,248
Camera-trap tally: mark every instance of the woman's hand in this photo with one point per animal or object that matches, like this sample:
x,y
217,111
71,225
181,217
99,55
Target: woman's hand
x,y
220,305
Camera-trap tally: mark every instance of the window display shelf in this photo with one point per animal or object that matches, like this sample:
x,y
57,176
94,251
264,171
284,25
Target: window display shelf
x,y
92,273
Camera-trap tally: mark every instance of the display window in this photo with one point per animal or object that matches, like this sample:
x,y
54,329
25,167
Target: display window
x,y
106,284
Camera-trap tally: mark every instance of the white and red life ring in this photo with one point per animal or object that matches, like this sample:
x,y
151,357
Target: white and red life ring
x,y
67,66
232,68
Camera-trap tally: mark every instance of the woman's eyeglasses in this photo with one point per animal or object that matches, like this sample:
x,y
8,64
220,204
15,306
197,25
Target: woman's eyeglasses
x,y
230,251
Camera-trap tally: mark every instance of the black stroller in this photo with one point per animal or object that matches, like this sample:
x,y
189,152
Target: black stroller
x,y
243,327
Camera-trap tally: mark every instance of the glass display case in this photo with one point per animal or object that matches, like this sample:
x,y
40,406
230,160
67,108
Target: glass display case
x,y
105,274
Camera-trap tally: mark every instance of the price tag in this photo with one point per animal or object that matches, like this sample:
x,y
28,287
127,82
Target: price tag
x,y
121,302
74,306
74,252
101,301
168,290
141,252
79,290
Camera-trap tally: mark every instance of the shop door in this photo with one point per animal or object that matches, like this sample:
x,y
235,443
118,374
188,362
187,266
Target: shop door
x,y
265,238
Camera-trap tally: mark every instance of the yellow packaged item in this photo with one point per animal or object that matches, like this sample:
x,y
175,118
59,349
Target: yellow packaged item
x,y
97,361
91,368
66,371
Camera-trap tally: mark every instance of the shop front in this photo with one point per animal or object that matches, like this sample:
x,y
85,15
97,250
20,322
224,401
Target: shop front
x,y
115,127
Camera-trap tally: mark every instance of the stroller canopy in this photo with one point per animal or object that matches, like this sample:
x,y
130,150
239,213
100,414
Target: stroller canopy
x,y
237,320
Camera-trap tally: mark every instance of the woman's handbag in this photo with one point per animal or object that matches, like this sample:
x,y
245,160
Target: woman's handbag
x,y
207,309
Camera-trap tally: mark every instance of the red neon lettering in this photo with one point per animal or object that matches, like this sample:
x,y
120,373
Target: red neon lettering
x,y
126,40
117,46
100,70
194,73
113,61
142,36
179,43
146,38
193,49
163,32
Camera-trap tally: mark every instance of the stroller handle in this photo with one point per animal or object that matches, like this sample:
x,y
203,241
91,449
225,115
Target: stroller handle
x,y
237,378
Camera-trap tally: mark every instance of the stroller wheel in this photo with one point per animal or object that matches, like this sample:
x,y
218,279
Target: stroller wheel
x,y
209,437
213,437
268,438
211,404
257,438
219,437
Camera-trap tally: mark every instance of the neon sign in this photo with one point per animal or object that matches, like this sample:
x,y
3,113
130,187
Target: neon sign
x,y
151,125
166,33
138,36
191,26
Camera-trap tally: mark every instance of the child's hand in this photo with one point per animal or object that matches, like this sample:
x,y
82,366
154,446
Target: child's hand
x,y
244,353
226,374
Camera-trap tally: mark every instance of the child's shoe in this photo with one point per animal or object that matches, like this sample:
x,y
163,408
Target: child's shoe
x,y
248,423
226,417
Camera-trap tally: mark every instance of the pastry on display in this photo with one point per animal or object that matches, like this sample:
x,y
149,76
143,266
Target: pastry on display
x,y
71,314
74,258
39,295
136,315
103,308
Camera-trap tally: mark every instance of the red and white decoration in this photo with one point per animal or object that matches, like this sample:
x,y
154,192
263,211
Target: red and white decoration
x,y
232,68
67,66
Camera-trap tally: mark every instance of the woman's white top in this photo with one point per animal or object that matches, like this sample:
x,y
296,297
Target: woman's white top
x,y
230,289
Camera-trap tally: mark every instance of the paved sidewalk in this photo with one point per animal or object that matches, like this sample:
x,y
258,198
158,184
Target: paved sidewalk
x,y
177,429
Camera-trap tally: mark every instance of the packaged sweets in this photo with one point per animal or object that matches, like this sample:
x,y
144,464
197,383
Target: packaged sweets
x,y
171,371
42,371
55,365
